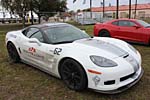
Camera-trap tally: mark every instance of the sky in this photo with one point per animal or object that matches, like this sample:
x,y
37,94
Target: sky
x,y
97,3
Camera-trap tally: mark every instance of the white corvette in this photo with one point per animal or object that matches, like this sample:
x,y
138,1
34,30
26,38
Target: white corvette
x,y
105,65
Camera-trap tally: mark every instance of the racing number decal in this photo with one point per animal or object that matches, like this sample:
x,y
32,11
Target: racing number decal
x,y
57,51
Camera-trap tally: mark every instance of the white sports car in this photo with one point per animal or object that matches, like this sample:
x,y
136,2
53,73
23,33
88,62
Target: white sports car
x,y
105,65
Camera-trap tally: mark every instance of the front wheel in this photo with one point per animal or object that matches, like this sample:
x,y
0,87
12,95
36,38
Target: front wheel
x,y
73,75
13,54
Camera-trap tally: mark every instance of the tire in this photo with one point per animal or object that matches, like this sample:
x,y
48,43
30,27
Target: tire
x,y
73,75
12,52
104,33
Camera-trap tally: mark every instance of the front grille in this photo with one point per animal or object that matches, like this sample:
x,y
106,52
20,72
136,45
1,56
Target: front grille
x,y
126,77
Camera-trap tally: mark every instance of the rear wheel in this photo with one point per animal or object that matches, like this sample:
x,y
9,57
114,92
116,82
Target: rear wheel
x,y
13,54
73,75
104,33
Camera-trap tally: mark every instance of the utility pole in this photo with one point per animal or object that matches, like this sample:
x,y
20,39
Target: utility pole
x,y
135,8
129,9
117,10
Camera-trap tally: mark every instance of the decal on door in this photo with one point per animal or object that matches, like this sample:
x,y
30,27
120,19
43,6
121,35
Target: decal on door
x,y
57,51
32,49
32,52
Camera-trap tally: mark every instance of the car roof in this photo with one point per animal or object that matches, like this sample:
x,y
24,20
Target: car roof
x,y
127,19
121,19
49,25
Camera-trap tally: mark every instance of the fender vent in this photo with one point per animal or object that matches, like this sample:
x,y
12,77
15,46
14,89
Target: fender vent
x,y
19,50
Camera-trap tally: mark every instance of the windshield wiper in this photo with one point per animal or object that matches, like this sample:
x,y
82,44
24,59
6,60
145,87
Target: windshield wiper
x,y
63,42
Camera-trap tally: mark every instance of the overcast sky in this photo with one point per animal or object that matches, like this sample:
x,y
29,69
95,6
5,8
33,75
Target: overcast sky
x,y
97,3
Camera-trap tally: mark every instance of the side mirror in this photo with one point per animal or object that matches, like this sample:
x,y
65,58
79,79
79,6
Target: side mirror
x,y
34,40
136,26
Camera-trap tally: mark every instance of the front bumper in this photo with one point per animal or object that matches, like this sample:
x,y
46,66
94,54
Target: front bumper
x,y
123,88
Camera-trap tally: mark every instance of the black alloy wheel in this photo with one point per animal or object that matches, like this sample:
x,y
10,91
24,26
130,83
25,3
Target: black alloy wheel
x,y
73,75
13,54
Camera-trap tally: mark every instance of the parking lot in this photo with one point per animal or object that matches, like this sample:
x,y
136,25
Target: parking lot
x,y
23,82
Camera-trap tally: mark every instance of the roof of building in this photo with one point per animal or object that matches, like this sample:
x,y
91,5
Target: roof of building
x,y
122,7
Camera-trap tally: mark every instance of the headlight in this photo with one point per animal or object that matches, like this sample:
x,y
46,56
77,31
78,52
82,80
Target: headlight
x,y
132,48
102,62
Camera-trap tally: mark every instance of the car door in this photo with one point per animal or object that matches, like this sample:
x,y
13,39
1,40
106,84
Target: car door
x,y
128,31
37,51
44,52
33,47
115,32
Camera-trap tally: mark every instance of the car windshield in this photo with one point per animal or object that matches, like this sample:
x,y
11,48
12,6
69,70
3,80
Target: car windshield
x,y
143,23
64,34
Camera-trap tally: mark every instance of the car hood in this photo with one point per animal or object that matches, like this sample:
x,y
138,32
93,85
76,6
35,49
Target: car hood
x,y
101,46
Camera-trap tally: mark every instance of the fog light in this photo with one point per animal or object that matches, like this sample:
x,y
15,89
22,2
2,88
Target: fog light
x,y
96,80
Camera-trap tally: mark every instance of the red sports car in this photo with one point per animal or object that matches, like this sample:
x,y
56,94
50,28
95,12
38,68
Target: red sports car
x,y
131,30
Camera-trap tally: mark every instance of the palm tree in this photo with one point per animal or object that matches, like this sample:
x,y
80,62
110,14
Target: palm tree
x,y
129,9
91,8
117,9
135,8
103,8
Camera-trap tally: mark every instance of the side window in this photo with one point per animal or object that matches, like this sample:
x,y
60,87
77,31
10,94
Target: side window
x,y
38,35
132,24
123,23
115,23
126,23
31,31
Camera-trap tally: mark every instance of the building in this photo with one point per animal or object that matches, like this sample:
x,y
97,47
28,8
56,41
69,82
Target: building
x,y
143,11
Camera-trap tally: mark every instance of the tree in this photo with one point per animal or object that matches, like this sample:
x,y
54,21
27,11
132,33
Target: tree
x,y
48,7
22,6
78,10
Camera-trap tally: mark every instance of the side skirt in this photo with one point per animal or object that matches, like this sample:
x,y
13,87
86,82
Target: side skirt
x,y
40,68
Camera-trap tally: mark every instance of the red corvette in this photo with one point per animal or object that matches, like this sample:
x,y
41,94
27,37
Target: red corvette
x,y
131,30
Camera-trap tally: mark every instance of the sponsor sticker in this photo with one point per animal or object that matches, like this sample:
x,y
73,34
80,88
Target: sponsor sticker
x,y
32,52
